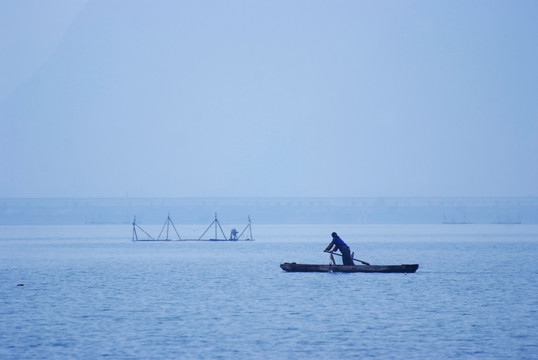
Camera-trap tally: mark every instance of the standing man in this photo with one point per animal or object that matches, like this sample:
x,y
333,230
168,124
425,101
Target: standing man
x,y
339,244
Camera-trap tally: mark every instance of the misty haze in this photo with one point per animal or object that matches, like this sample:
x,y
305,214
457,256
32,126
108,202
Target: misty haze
x,y
372,165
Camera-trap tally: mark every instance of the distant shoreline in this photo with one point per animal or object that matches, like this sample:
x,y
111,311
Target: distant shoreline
x,y
285,210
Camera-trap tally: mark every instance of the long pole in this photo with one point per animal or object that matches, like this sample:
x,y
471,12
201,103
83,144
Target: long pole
x,y
135,235
333,253
167,225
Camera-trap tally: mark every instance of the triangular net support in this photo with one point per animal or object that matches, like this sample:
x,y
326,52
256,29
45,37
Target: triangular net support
x,y
166,226
216,224
135,234
249,228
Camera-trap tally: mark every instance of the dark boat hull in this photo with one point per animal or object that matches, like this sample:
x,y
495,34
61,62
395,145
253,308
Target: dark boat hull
x,y
404,268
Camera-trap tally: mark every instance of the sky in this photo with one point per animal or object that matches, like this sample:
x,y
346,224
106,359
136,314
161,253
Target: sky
x,y
274,98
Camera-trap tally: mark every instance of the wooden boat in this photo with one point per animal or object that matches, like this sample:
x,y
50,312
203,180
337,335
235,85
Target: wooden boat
x,y
403,268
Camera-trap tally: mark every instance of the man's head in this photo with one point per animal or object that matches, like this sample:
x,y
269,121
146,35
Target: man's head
x,y
334,234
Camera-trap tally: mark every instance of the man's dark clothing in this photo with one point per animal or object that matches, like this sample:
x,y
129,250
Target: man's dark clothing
x,y
344,249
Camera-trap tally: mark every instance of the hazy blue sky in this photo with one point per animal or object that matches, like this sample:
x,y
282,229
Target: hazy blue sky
x,y
268,98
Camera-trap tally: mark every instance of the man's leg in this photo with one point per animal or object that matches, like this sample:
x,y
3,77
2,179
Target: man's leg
x,y
346,257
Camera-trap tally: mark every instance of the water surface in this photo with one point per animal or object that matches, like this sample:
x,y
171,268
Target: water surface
x,y
89,292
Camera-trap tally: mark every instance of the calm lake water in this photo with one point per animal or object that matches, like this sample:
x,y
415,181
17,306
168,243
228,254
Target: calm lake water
x,y
90,292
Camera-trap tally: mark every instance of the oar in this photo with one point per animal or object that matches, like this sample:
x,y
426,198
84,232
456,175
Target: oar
x,y
364,262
